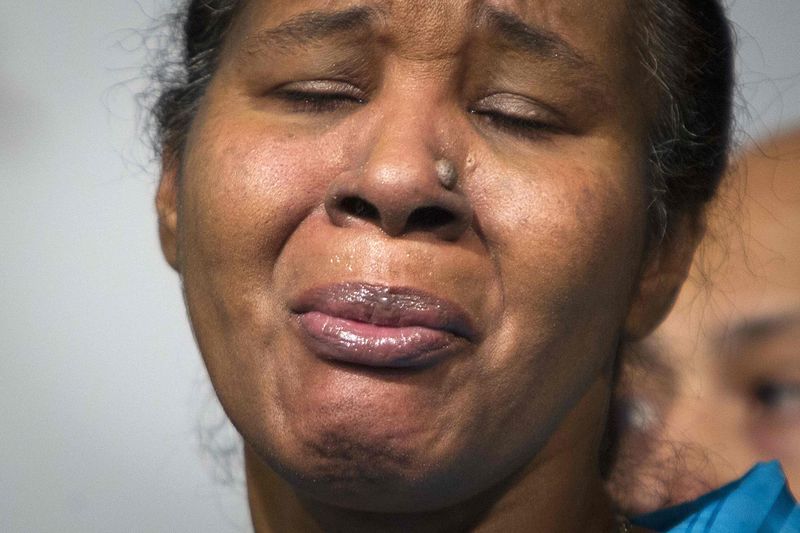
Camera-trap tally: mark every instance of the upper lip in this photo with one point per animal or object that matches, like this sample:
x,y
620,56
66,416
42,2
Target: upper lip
x,y
388,306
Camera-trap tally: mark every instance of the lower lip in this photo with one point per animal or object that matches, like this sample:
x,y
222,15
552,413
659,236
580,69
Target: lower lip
x,y
353,342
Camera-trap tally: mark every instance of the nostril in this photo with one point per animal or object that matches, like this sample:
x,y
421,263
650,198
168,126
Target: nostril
x,y
398,210
359,208
429,218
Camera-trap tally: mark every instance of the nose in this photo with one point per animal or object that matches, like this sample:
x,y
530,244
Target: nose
x,y
402,188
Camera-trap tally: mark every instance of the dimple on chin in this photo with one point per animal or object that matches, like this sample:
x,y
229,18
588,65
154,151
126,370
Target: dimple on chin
x,y
409,417
346,452
332,432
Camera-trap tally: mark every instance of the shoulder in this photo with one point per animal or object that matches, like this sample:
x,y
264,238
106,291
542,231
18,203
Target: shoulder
x,y
759,502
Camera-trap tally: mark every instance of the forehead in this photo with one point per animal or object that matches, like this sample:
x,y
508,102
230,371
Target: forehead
x,y
748,267
423,11
754,233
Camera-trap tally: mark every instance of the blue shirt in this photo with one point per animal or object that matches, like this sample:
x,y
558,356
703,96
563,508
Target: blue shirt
x,y
760,502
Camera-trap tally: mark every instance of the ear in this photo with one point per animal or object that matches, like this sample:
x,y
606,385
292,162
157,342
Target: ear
x,y
167,209
665,269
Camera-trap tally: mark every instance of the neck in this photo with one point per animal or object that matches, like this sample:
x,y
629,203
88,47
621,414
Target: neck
x,y
560,490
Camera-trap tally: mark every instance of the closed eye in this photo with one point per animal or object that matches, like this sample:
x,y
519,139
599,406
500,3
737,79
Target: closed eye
x,y
517,115
319,96
514,124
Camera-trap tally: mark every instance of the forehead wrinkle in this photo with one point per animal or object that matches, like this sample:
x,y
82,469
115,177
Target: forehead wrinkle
x,y
311,27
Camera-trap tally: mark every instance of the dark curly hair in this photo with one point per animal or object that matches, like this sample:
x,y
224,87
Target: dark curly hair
x,y
685,46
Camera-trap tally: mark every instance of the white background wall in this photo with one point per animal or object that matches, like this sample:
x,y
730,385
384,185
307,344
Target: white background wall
x,y
101,389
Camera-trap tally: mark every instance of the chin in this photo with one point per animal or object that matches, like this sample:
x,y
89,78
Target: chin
x,y
364,471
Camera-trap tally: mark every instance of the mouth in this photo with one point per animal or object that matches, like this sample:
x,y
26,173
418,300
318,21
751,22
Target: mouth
x,y
380,326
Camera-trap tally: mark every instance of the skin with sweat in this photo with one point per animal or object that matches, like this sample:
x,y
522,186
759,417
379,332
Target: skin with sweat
x,y
396,351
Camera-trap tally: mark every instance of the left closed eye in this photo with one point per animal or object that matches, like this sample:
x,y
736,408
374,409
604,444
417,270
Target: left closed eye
x,y
517,115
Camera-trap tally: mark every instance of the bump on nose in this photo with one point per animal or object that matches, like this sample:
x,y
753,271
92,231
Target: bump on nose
x,y
407,182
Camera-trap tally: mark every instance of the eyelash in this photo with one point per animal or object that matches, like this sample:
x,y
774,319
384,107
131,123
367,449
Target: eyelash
x,y
317,101
514,125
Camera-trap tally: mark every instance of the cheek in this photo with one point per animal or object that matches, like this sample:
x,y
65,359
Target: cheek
x,y
565,232
247,187
566,246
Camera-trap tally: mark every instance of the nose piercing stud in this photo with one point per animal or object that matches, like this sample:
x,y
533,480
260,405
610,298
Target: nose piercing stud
x,y
446,172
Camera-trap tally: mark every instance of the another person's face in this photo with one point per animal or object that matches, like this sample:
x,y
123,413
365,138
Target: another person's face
x,y
369,330
720,383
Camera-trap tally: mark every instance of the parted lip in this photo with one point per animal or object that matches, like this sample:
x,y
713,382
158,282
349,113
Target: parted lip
x,y
383,305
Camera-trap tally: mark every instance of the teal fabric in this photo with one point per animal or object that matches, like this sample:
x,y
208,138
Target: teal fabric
x,y
760,502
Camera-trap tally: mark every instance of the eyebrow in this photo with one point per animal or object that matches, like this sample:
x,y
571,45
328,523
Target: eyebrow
x,y
312,27
757,328
534,40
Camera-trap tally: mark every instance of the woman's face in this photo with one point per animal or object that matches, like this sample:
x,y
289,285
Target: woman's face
x,y
728,392
374,333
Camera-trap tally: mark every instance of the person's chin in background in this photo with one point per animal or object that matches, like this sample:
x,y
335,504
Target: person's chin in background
x,y
717,387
